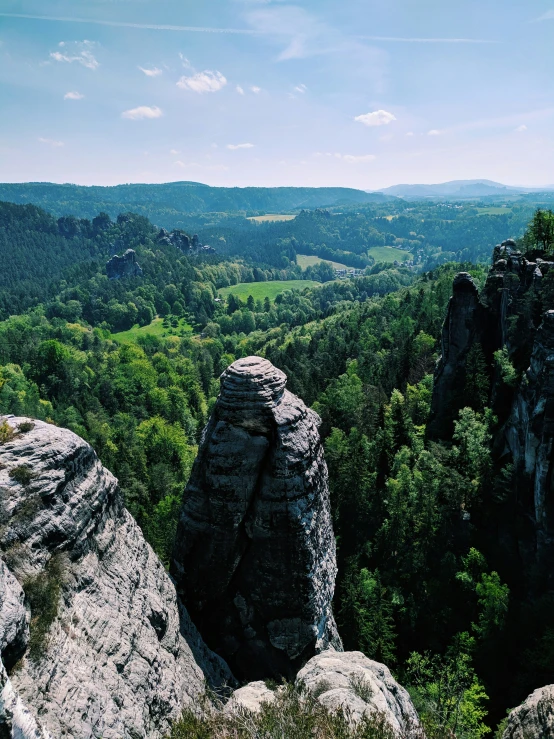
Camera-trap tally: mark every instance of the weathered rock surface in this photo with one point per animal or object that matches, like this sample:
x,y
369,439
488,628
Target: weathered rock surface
x,y
126,266
121,658
534,719
360,686
254,559
250,697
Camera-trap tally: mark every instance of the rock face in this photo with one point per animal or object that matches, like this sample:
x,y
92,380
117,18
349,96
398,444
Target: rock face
x,y
534,719
126,266
254,560
120,658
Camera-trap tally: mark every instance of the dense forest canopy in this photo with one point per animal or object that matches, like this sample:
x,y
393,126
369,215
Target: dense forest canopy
x,y
422,586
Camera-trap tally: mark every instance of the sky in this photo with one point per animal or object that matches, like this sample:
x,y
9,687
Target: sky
x,y
352,93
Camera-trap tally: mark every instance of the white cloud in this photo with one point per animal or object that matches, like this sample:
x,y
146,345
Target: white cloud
x,y
73,96
433,132
154,72
255,89
521,128
300,88
200,82
410,133
51,142
234,147
174,151
76,51
356,159
143,111
548,16
377,118
240,90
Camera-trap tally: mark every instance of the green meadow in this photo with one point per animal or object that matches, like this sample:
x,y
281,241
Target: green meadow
x,y
261,290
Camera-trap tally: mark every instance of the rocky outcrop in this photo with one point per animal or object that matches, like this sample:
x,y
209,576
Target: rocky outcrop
x,y
179,239
534,719
529,432
458,333
254,559
120,658
126,266
348,681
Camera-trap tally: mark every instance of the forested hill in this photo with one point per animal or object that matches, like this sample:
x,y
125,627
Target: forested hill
x,y
163,203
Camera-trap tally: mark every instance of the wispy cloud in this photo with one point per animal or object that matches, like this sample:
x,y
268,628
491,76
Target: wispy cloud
x,y
255,89
119,24
234,147
143,111
434,132
201,82
76,51
174,151
51,142
154,72
548,16
417,40
350,158
376,118
300,88
239,89
74,95
522,128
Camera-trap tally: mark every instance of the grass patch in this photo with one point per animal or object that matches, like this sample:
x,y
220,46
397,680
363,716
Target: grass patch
x,y
295,714
388,254
305,260
43,593
261,290
156,328
493,210
271,217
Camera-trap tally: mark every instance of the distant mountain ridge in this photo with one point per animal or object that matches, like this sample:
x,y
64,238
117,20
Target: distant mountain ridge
x,y
165,203
459,189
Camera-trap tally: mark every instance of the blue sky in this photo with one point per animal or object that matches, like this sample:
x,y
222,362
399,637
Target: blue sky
x,y
360,93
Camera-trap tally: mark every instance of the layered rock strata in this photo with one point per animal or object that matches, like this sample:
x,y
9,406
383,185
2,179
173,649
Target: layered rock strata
x,y
254,559
120,658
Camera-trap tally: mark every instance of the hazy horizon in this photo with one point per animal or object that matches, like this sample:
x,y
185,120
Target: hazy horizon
x,y
362,94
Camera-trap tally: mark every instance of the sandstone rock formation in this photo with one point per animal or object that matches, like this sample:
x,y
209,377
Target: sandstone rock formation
x,y
506,317
120,658
345,680
534,719
254,559
352,681
457,337
126,266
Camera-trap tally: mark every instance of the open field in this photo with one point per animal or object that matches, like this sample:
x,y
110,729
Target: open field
x,y
388,254
156,328
493,210
260,290
271,217
303,260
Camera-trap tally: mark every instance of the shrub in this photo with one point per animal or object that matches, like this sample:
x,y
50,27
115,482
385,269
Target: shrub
x,y
26,426
22,474
43,593
6,432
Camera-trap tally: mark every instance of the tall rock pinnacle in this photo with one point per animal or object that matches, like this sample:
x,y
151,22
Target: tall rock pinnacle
x,y
254,558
